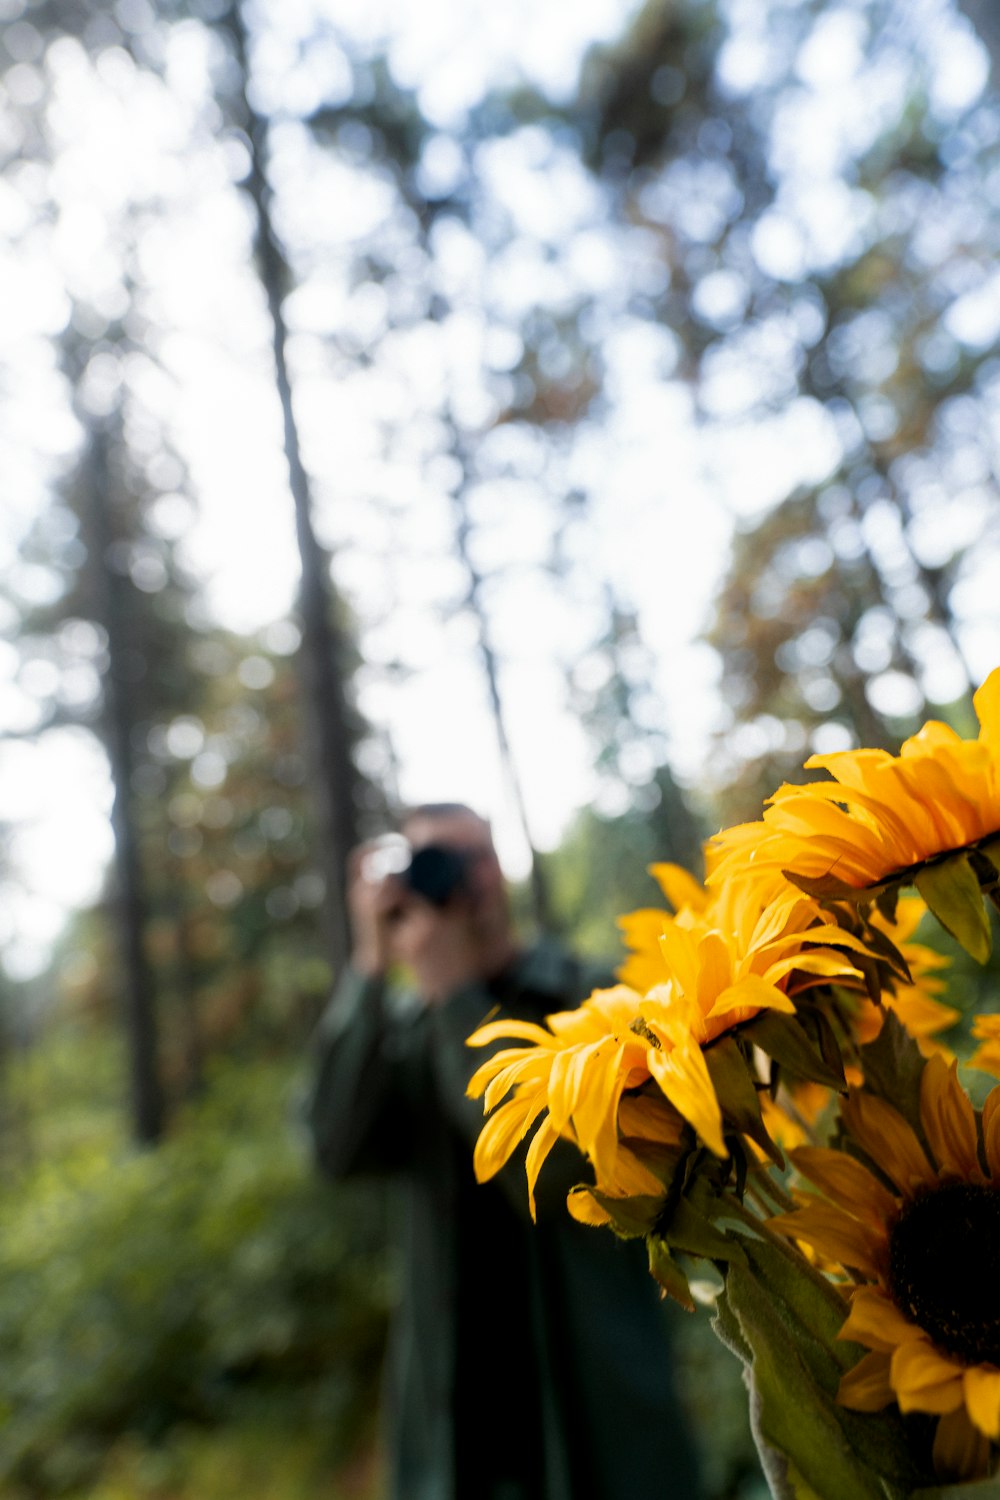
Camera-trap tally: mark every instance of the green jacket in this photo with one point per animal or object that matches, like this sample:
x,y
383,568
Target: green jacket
x,y
528,1362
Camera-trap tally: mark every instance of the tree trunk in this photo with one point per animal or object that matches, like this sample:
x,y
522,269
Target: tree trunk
x,y
125,666
540,903
323,642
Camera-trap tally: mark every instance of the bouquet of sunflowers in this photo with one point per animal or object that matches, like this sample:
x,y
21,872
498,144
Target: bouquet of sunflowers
x,y
764,1100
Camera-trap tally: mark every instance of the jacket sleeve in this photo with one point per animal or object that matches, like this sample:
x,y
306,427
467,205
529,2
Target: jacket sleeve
x,y
368,1081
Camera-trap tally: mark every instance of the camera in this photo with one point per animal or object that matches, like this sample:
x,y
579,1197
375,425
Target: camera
x,y
435,871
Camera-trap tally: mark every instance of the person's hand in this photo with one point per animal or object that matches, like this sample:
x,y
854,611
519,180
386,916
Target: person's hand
x,y
372,906
442,946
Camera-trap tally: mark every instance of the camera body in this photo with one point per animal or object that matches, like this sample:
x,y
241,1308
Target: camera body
x,y
435,872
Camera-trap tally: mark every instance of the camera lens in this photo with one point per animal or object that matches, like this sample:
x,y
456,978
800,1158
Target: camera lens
x,y
436,873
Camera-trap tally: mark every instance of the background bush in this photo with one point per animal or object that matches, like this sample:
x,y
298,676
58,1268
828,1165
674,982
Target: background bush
x,y
214,1281
205,1321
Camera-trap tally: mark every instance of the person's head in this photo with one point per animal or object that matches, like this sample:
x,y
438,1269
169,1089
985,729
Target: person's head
x,y
452,824
456,827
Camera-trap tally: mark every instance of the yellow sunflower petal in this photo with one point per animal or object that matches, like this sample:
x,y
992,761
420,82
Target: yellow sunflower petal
x,y
987,705
836,937
531,1068
877,1322
835,1235
991,1131
488,1070
679,950
981,1385
752,993
784,919
810,811
682,1074
823,964
921,1015
568,1077
542,1142
503,1132
526,1031
877,814
949,1120
986,1058
866,1387
585,1208
925,1380
587,1023
715,970
641,932
847,1182
644,1118
680,888
596,1118
623,1175
884,1135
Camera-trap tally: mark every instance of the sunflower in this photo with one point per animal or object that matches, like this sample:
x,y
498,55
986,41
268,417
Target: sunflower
x,y
879,816
714,970
569,1080
766,925
921,1227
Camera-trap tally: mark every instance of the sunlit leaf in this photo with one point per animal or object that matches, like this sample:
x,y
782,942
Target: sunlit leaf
x,y
952,893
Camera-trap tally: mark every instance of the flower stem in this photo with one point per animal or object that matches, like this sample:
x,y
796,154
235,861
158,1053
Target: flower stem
x,y
785,1247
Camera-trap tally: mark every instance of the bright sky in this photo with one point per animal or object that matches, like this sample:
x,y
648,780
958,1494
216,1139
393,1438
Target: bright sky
x,y
664,496
122,141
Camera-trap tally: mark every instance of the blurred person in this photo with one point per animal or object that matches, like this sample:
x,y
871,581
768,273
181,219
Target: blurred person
x,y
527,1362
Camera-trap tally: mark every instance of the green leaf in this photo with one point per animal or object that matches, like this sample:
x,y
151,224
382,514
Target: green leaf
x,y
885,949
810,1305
800,1489
738,1099
952,893
893,1067
664,1269
887,900
991,849
829,888
871,973
782,1038
817,1027
693,1233
788,1316
631,1218
792,1418
985,862
726,1327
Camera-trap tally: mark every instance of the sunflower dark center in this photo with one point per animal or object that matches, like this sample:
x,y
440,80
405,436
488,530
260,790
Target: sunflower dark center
x,y
944,1269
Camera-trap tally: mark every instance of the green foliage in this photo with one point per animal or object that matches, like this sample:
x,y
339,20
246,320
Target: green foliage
x,y
970,986
214,1281
710,1382
602,869
251,1455
951,890
782,1319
